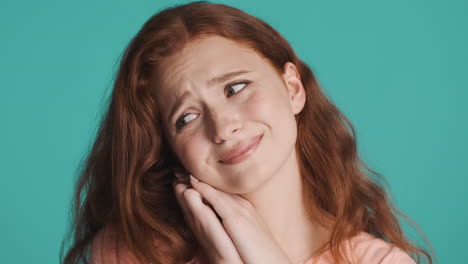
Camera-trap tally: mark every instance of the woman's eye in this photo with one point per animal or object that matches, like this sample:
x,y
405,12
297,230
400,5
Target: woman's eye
x,y
181,122
235,88
232,89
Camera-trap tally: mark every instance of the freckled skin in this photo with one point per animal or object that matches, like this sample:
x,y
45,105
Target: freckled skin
x,y
218,122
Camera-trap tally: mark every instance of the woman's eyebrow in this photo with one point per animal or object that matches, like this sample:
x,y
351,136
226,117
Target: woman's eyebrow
x,y
225,77
177,104
212,82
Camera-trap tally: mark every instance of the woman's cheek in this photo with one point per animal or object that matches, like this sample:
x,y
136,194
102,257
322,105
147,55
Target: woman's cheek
x,y
192,150
259,104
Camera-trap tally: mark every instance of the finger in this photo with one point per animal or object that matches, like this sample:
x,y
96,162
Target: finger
x,y
225,204
181,185
205,219
199,207
179,189
208,228
194,202
181,177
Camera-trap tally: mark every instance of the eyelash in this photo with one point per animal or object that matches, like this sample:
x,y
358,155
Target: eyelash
x,y
180,125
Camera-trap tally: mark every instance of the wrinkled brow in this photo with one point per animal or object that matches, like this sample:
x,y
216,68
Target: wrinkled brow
x,y
225,77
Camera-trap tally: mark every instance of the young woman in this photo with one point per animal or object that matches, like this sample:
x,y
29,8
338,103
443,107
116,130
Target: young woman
x,y
218,146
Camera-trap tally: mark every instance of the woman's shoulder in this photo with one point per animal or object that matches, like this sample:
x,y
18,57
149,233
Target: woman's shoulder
x,y
107,248
370,249
365,248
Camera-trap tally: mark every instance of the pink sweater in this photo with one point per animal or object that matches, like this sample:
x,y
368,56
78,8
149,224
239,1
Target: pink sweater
x,y
367,250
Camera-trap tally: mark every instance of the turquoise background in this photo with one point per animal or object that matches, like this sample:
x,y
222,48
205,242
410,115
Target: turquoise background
x,y
397,69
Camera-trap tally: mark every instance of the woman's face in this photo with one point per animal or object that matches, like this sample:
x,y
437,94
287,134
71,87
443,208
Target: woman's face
x,y
219,97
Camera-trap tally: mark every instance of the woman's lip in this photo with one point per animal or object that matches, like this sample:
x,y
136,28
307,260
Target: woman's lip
x,y
244,153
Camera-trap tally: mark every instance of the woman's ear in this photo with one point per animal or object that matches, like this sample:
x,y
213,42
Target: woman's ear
x,y
296,90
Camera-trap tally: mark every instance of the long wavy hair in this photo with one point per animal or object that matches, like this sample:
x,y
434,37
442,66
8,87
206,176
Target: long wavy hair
x,y
125,180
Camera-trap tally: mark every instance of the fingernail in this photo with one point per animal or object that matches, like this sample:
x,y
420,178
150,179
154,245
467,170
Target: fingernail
x,y
193,178
178,174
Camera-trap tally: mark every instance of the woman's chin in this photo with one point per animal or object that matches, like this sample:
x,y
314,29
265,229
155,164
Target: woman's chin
x,y
246,183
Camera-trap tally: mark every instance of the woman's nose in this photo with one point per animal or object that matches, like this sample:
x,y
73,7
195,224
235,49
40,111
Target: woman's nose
x,y
225,123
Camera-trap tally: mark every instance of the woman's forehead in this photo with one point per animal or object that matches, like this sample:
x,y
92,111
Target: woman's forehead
x,y
206,58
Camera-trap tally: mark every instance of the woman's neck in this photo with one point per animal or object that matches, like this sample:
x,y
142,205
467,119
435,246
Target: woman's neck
x,y
280,204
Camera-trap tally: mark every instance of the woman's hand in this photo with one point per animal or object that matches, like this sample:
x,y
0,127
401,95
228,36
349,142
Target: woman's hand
x,y
244,227
216,243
